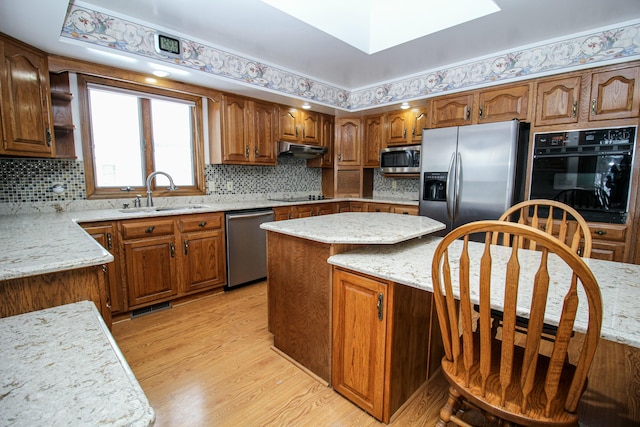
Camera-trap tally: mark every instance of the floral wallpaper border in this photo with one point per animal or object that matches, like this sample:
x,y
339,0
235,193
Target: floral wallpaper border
x,y
100,28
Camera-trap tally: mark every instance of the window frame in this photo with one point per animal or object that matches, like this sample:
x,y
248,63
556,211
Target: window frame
x,y
94,192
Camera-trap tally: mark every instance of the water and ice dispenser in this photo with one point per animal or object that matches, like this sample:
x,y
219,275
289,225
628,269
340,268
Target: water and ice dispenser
x,y
435,186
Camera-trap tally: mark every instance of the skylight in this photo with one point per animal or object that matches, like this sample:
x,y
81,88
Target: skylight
x,y
375,25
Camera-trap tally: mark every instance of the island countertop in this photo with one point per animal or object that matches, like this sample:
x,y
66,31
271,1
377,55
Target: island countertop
x,y
61,367
409,264
357,228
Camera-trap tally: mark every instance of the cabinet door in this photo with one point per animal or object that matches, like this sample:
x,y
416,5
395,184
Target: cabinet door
x,y
282,213
378,207
615,94
265,118
557,101
236,129
373,126
150,269
405,210
106,235
359,336
397,128
305,211
419,120
452,111
348,142
204,260
327,208
288,124
503,104
310,125
25,106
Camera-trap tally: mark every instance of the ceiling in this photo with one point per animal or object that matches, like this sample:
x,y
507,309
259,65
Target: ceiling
x,y
256,30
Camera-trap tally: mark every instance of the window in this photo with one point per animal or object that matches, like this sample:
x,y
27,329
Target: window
x,y
130,131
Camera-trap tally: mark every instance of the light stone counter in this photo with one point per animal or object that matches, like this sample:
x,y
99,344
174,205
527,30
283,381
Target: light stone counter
x,y
39,243
409,263
359,228
61,367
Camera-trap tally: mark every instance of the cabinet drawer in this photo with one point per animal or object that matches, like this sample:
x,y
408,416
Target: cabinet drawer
x,y
147,228
608,232
200,222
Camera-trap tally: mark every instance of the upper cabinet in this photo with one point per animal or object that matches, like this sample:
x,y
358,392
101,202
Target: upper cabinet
x,y
373,140
558,100
25,107
327,137
482,106
404,127
611,93
299,126
348,141
247,131
615,94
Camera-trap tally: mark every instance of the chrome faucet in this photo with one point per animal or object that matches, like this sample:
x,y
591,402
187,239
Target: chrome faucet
x,y
150,177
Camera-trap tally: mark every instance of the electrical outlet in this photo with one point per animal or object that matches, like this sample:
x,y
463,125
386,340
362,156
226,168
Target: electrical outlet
x,y
211,185
229,185
394,184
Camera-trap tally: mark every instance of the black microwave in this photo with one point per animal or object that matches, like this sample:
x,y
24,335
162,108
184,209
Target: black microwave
x,y
405,159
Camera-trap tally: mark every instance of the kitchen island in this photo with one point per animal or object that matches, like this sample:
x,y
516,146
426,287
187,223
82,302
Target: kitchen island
x,y
61,367
301,295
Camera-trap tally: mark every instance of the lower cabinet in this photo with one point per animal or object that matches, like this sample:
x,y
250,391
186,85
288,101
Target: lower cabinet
x,y
608,241
381,341
204,263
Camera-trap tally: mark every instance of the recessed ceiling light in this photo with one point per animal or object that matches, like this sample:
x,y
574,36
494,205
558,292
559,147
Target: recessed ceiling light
x,y
161,73
405,106
375,25
306,106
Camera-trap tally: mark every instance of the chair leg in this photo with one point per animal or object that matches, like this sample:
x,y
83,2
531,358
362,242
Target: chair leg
x,y
449,408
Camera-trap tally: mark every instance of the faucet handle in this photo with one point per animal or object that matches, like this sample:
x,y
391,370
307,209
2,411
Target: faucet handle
x,y
137,202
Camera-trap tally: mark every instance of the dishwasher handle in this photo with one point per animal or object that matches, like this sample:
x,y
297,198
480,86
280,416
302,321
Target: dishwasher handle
x,y
250,215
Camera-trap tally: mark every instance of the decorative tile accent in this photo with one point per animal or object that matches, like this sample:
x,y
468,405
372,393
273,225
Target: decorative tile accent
x,y
595,48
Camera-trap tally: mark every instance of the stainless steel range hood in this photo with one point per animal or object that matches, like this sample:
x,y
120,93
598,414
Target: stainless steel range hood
x,y
299,151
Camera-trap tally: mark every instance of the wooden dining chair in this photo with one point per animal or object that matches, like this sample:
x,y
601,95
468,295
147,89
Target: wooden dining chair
x,y
496,377
555,218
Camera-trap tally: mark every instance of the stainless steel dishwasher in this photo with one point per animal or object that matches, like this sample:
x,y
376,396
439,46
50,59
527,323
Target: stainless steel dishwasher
x,y
246,246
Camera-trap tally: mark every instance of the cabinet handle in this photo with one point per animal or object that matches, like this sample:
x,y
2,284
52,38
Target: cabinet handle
x,y
467,112
296,131
593,107
339,157
172,247
246,151
480,112
574,110
186,247
379,305
109,241
255,151
413,132
600,232
404,133
150,229
48,137
202,224
304,133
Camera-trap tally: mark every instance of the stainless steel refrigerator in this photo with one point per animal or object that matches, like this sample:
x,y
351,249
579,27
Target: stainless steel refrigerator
x,y
471,173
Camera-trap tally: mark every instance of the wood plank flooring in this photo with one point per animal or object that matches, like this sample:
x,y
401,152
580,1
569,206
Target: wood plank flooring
x,y
209,363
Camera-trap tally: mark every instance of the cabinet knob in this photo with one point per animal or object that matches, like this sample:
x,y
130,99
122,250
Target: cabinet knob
x,y
574,110
480,112
150,229
109,241
202,224
600,232
186,247
593,107
172,247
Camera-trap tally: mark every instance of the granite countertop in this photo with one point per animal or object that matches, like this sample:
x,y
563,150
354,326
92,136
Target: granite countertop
x,y
61,367
39,243
409,263
363,228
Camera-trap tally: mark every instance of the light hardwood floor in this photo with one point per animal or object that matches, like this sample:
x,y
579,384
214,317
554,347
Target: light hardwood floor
x,y
209,363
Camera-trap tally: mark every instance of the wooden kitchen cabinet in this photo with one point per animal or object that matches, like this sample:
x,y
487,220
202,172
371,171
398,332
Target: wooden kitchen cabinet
x,y
558,100
405,210
25,108
348,141
608,241
378,207
452,110
63,126
304,210
106,233
203,252
299,126
327,138
373,140
151,267
615,94
405,127
503,103
248,131
381,351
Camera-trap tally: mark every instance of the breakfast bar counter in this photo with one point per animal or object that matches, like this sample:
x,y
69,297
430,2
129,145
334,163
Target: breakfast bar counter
x,y
61,367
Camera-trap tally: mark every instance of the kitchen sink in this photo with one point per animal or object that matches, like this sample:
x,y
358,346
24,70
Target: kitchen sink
x,y
163,208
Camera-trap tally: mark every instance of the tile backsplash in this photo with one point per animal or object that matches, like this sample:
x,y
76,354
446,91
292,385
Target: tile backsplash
x,y
32,180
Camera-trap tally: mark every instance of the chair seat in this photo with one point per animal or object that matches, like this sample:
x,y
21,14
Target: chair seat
x,y
534,414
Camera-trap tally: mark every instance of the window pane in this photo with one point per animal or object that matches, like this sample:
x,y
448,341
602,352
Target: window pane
x,y
116,139
172,141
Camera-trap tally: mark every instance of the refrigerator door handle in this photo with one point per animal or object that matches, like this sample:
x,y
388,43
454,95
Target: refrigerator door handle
x,y
450,195
456,203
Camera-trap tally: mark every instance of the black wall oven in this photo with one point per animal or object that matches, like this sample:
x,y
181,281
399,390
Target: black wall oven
x,y
587,169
